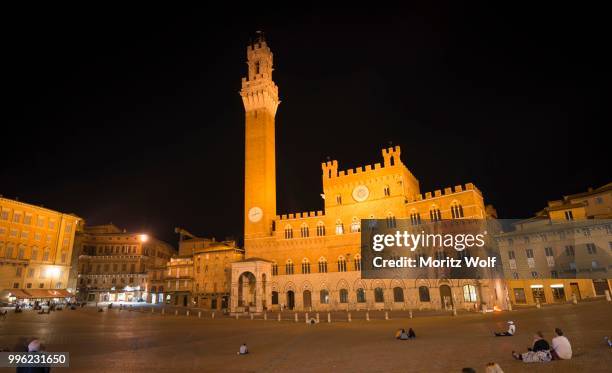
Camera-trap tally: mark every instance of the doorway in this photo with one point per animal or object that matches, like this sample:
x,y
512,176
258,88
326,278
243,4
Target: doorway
x,y
446,297
307,299
575,290
290,299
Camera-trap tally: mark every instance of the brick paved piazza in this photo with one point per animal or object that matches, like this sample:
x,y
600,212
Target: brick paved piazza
x,y
121,341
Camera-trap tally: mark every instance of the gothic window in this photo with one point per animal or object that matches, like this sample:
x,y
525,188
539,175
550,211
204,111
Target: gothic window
x,y
456,210
320,229
357,262
324,296
338,199
355,225
304,231
398,295
391,223
305,266
387,191
343,296
379,296
322,265
424,294
274,269
415,218
435,214
289,267
288,232
341,264
361,298
339,227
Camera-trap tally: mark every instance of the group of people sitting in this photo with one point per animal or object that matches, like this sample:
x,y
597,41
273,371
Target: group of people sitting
x,y
559,349
404,335
542,351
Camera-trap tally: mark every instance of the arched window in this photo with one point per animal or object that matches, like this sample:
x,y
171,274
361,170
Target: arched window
x,y
341,264
387,191
339,227
391,223
357,262
355,225
424,294
469,293
322,265
338,199
435,214
304,231
288,232
289,267
324,296
379,296
305,266
343,296
320,229
415,217
275,297
274,269
456,210
361,296
398,295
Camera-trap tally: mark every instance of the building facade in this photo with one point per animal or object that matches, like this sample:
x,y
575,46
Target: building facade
x,y
311,260
114,264
565,251
36,246
201,274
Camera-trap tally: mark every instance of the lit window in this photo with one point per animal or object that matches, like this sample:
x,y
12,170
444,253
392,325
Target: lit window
x,y
339,227
469,293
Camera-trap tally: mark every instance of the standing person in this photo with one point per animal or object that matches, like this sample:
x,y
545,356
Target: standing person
x,y
561,347
510,332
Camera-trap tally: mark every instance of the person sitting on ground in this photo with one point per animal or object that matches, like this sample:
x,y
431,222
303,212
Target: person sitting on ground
x,y
510,332
539,353
468,370
493,368
608,341
398,333
34,347
561,347
411,333
404,335
243,349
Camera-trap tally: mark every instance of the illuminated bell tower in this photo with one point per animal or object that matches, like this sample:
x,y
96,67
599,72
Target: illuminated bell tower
x,y
260,98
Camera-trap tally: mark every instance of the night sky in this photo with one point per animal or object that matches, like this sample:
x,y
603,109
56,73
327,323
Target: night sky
x,y
134,117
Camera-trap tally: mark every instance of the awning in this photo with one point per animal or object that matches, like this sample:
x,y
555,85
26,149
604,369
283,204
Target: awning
x,y
39,293
17,293
49,293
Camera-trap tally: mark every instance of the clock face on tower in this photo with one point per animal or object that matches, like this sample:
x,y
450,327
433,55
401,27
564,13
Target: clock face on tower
x,y
361,193
255,214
